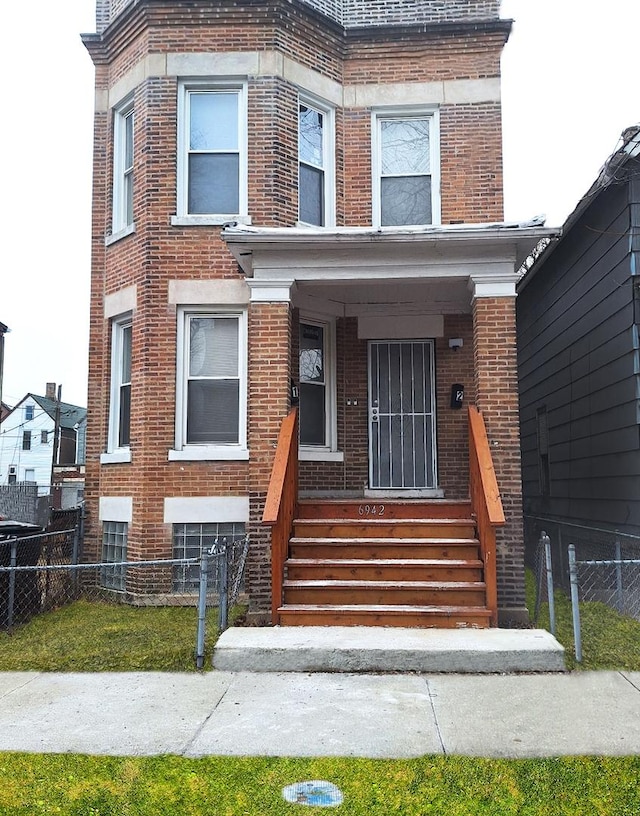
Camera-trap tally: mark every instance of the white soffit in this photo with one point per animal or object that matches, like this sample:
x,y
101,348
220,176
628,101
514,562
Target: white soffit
x,y
206,509
402,327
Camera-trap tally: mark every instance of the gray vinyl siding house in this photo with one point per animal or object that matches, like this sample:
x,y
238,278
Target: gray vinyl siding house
x,y
578,310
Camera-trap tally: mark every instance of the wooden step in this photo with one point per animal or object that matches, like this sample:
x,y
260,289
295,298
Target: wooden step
x,y
418,593
383,508
384,528
421,617
390,569
384,548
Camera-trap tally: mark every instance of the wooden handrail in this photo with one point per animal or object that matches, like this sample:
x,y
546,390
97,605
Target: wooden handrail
x,y
281,504
485,503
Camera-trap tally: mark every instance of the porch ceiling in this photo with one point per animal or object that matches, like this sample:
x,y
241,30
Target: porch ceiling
x,y
400,296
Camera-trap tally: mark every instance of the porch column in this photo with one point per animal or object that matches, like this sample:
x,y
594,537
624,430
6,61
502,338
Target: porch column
x,y
268,404
496,393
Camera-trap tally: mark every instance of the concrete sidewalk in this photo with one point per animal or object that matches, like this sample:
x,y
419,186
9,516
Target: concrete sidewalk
x,y
401,715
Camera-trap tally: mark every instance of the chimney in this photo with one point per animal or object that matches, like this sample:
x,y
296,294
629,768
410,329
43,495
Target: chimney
x,y
51,391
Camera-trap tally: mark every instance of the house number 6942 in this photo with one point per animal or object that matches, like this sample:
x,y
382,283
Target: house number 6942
x,y
371,510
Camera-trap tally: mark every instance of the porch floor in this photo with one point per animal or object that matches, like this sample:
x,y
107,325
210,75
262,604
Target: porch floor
x,y
379,649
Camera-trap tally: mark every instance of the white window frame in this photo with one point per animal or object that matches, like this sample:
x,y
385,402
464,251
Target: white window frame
x,y
328,452
183,217
116,452
380,115
122,225
184,451
328,151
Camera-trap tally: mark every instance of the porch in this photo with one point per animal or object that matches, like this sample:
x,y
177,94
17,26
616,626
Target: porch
x,y
390,337
423,563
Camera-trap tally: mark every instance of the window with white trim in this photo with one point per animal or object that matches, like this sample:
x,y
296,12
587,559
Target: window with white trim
x,y
316,370
114,551
212,382
120,402
123,168
212,150
315,164
406,169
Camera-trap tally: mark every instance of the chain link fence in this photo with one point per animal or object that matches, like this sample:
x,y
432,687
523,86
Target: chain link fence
x,y
589,564
39,573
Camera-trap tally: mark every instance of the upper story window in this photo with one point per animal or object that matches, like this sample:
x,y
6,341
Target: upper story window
x,y
26,440
123,169
212,146
406,163
28,412
315,168
120,402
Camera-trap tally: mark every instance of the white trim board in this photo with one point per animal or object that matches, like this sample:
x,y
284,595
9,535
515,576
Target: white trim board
x,y
115,508
206,509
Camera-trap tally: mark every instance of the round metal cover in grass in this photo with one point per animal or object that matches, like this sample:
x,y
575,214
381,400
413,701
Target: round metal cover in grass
x,y
315,793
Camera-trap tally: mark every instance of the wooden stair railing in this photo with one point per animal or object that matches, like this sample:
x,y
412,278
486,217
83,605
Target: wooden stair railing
x,y
485,503
281,504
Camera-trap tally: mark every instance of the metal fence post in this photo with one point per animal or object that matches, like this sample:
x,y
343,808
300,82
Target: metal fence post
x,y
575,607
550,596
223,586
12,582
619,588
202,609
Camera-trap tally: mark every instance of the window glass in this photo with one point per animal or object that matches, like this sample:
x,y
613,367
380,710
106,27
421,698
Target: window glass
x,y
313,396
406,194
310,136
405,146
213,349
213,121
213,386
213,408
213,183
123,135
28,412
405,201
312,170
114,550
189,541
311,196
120,406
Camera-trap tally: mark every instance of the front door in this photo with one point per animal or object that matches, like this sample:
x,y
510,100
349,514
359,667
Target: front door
x,y
402,451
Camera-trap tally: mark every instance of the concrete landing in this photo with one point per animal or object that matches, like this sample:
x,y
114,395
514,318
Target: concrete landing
x,y
379,649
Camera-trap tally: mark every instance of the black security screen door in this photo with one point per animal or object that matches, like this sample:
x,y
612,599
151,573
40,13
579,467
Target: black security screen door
x,y
401,415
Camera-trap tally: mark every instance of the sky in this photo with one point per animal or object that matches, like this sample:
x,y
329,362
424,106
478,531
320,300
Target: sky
x,y
568,75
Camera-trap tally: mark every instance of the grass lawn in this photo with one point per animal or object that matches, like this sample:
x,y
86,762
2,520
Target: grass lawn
x,y
609,640
93,636
455,786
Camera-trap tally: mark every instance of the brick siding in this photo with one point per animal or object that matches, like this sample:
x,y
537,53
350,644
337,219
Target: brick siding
x,y
158,253
496,373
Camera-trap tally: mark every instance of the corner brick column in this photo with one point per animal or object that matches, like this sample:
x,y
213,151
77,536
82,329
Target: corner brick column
x,y
496,387
268,403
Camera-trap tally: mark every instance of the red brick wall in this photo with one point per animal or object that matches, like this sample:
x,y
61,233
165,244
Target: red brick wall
x,y
158,252
454,367
496,372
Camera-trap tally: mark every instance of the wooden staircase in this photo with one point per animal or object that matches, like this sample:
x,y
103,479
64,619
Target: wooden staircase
x,y
408,563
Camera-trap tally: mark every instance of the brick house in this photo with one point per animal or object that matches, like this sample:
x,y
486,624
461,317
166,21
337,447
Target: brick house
x,y
304,198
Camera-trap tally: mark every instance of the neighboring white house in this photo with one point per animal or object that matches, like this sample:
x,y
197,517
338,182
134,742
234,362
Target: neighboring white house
x,y
27,443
